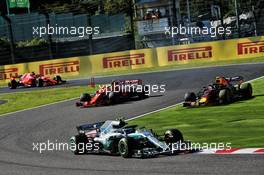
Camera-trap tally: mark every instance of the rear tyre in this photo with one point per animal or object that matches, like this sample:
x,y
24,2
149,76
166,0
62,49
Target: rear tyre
x,y
12,84
224,96
79,141
85,97
114,98
173,136
246,90
143,94
190,97
124,148
40,83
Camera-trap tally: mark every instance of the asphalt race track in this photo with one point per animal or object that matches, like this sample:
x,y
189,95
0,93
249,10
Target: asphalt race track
x,y
57,123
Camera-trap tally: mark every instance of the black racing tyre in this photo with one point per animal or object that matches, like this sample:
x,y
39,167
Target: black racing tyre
x,y
33,83
173,136
124,148
190,97
113,147
246,90
80,142
114,98
58,79
40,83
85,97
224,96
144,93
12,84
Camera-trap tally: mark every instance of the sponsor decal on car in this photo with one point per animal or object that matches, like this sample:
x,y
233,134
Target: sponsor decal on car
x,y
8,73
123,61
59,68
250,48
190,53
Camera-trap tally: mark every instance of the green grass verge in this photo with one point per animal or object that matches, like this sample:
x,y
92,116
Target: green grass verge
x,y
240,123
24,100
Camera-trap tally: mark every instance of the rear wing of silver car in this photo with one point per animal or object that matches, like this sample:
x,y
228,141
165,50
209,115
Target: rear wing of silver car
x,y
88,127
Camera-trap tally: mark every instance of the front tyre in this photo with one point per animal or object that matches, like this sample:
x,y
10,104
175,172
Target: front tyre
x,y
85,97
59,79
124,148
190,97
173,136
246,90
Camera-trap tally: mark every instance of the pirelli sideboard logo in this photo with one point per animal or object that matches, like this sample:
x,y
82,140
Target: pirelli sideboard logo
x,y
8,73
250,48
123,61
59,68
190,53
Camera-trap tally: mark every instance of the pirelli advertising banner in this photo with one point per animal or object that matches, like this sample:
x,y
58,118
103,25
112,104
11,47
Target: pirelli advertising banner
x,y
84,66
211,51
69,67
118,61
75,67
8,71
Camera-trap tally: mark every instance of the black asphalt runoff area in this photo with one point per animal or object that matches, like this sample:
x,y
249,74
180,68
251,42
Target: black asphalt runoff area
x,y
56,123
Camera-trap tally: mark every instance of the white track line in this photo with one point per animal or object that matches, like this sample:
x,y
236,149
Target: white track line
x,y
254,79
171,106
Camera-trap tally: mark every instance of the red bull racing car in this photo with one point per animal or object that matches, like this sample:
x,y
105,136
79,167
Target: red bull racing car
x,y
222,91
116,92
33,80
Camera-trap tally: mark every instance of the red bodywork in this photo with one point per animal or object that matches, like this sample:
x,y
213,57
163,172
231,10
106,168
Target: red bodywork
x,y
49,81
33,80
27,79
100,97
97,99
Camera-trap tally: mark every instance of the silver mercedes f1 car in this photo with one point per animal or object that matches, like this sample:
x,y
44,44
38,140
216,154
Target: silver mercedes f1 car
x,y
115,137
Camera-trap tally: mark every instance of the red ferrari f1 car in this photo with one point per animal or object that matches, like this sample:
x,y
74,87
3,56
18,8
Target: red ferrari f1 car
x,y
33,80
116,92
222,91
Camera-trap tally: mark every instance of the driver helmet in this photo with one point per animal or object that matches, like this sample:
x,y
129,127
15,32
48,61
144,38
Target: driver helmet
x,y
221,81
